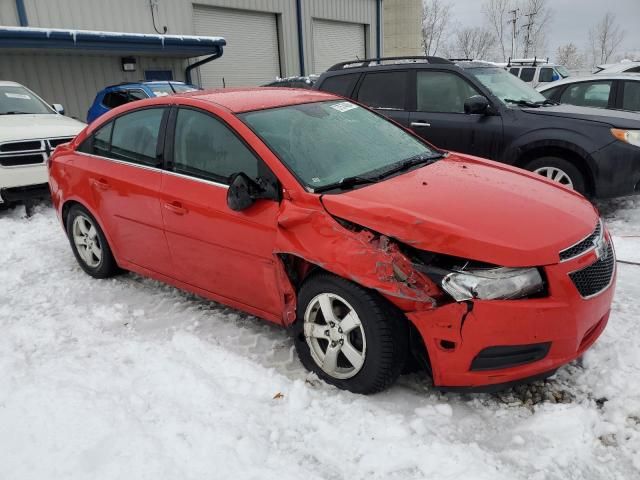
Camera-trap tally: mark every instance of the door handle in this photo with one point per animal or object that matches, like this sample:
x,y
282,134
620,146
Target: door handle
x,y
420,124
100,184
175,207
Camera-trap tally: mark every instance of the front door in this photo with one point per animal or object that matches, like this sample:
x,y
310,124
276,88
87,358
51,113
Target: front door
x,y
225,252
438,116
386,92
125,178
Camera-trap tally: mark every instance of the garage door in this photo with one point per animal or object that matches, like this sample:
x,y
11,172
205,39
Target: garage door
x,y
335,42
251,56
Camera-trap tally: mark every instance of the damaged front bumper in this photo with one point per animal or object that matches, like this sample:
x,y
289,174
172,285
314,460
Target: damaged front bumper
x,y
480,343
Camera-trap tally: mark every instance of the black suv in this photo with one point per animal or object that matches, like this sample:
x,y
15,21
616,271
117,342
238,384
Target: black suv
x,y
480,109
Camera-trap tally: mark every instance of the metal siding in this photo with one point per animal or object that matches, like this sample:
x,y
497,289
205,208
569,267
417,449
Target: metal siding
x,y
252,55
74,80
335,42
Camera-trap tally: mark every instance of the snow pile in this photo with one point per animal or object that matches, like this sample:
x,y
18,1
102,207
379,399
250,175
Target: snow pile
x,y
131,379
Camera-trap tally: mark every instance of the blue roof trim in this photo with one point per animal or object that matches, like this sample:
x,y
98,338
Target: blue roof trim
x,y
183,45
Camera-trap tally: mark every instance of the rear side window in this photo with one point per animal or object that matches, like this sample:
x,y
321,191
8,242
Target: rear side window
x,y
386,90
206,148
102,140
587,94
340,84
514,71
121,97
527,74
631,97
551,92
633,70
442,92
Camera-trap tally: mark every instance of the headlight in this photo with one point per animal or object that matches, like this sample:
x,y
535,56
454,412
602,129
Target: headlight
x,y
493,284
627,136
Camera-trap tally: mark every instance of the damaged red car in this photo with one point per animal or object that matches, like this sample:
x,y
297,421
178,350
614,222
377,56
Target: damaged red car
x,y
315,213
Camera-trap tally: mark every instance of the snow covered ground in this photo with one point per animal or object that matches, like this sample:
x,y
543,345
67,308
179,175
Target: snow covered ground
x,y
131,379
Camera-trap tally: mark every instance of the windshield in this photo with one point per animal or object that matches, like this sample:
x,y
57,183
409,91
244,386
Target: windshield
x,y
562,71
166,89
16,100
328,142
506,86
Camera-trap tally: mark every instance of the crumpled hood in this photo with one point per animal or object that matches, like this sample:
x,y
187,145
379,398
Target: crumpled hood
x,y
613,118
27,127
472,208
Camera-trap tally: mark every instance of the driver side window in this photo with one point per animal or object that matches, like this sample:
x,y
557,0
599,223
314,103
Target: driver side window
x,y
206,148
442,92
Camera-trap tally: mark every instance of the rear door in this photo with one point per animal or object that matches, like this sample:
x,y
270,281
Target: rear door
x,y
438,115
225,252
124,160
387,93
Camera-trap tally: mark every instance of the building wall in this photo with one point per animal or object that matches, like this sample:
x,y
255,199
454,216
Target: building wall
x,y
402,28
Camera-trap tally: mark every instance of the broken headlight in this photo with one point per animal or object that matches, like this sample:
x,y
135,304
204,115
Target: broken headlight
x,y
493,284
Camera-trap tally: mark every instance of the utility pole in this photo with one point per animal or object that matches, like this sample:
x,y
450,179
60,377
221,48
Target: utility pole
x,y
527,40
514,22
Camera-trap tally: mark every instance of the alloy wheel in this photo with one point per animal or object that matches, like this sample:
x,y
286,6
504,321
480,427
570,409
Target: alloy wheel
x,y
87,241
335,336
555,174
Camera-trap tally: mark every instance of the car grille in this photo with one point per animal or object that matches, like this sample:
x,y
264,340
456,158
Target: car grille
x,y
596,277
583,245
29,152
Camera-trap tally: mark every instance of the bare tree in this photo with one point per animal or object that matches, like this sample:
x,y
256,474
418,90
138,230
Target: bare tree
x,y
497,14
605,37
474,42
537,16
436,15
569,56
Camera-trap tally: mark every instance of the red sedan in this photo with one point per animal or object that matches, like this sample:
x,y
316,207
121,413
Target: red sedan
x,y
316,213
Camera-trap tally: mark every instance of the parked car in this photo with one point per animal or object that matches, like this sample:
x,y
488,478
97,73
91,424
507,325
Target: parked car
x,y
619,91
312,212
622,67
294,82
536,71
115,95
482,110
30,130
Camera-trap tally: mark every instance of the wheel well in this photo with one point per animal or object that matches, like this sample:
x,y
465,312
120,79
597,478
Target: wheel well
x,y
65,210
575,158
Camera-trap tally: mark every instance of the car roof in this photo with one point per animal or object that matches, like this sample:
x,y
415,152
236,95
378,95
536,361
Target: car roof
x,y
7,83
617,67
239,100
589,78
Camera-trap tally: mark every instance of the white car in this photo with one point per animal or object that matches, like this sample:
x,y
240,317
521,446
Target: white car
x,y
618,91
622,67
30,130
536,72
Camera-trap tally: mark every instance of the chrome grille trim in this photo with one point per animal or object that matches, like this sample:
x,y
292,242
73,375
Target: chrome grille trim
x,y
585,245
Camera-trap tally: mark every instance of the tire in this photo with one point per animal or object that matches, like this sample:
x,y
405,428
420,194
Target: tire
x,y
554,167
81,225
378,334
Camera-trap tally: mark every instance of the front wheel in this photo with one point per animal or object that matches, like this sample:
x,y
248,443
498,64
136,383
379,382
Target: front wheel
x,y
348,335
559,170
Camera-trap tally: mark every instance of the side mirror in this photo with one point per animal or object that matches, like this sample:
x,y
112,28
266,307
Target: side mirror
x,y
58,108
476,105
243,191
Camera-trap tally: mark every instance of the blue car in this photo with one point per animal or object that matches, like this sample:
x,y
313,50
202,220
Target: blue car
x,y
116,95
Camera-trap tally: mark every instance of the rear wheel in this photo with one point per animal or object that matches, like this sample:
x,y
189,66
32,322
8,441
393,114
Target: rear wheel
x,y
89,244
348,335
559,170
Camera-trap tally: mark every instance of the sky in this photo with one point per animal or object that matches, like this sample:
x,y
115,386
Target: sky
x,y
571,20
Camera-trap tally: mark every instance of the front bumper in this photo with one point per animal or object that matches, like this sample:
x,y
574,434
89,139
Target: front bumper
x,y
23,182
456,333
617,170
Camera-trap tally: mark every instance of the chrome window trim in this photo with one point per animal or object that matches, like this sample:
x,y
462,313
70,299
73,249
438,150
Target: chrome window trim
x,y
156,169
593,247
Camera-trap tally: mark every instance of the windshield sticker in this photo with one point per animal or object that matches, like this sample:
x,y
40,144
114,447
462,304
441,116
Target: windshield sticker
x,y
21,96
344,106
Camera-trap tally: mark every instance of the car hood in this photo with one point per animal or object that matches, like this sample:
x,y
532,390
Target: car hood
x,y
27,127
472,208
613,118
